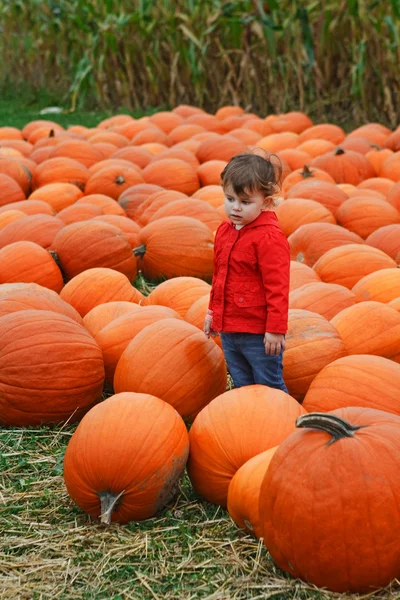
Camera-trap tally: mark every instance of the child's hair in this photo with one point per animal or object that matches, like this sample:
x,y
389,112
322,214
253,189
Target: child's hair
x,y
252,172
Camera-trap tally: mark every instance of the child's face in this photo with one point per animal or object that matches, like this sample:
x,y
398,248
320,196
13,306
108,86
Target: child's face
x,y
246,208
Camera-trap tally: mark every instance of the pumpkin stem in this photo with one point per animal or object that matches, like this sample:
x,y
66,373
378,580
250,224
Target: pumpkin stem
x,y
119,179
52,133
339,151
56,259
140,250
108,502
337,427
306,172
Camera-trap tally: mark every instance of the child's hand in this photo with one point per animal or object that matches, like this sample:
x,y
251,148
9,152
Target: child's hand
x,y
274,343
209,332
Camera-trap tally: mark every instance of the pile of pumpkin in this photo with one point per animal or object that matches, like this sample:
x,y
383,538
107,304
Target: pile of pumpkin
x,y
82,210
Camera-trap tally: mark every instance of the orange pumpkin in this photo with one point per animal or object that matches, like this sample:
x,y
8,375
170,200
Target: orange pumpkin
x,y
10,190
84,245
377,157
166,120
328,194
30,207
209,173
57,195
364,215
196,315
197,209
382,286
382,185
130,228
152,203
233,428
72,380
387,239
178,293
357,380
60,170
78,212
323,131
136,155
179,153
306,173
175,246
394,196
347,264
97,286
222,147
114,338
9,216
300,274
311,343
345,166
175,361
212,194
132,198
27,262
244,492
82,151
40,229
107,205
369,328
328,454
295,212
16,170
133,479
326,299
172,174
309,242
102,315
25,296
296,159
113,181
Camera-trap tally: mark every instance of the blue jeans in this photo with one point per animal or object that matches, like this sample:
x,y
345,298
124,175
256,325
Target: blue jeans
x,y
247,362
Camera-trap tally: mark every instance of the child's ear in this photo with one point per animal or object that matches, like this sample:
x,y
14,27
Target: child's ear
x,y
268,202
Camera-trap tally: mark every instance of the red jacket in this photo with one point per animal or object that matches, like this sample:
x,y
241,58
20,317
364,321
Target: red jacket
x,y
250,285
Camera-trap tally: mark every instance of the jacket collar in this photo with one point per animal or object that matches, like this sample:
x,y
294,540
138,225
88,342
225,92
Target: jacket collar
x,y
264,218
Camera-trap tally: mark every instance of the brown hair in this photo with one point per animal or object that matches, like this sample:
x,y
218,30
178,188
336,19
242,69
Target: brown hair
x,y
252,172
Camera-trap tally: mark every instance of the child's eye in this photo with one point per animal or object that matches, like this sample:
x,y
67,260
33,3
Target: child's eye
x,y
245,202
229,199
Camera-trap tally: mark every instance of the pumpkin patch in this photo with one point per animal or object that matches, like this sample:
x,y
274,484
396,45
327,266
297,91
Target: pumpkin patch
x,y
106,259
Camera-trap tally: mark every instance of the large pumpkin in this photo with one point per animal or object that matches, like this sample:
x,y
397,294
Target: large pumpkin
x,y
174,361
233,428
295,212
70,383
364,215
328,194
58,195
176,246
357,380
124,461
312,342
387,239
81,246
329,501
300,274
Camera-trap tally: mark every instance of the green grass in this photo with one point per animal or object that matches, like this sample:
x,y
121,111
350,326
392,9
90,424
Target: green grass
x,y
16,112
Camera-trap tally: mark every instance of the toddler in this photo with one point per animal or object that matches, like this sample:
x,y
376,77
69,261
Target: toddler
x,y
250,286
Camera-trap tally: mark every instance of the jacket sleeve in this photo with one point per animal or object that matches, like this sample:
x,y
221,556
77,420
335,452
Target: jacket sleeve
x,y
274,263
210,307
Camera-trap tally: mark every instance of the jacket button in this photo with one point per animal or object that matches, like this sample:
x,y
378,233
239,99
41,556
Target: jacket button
x,y
240,299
